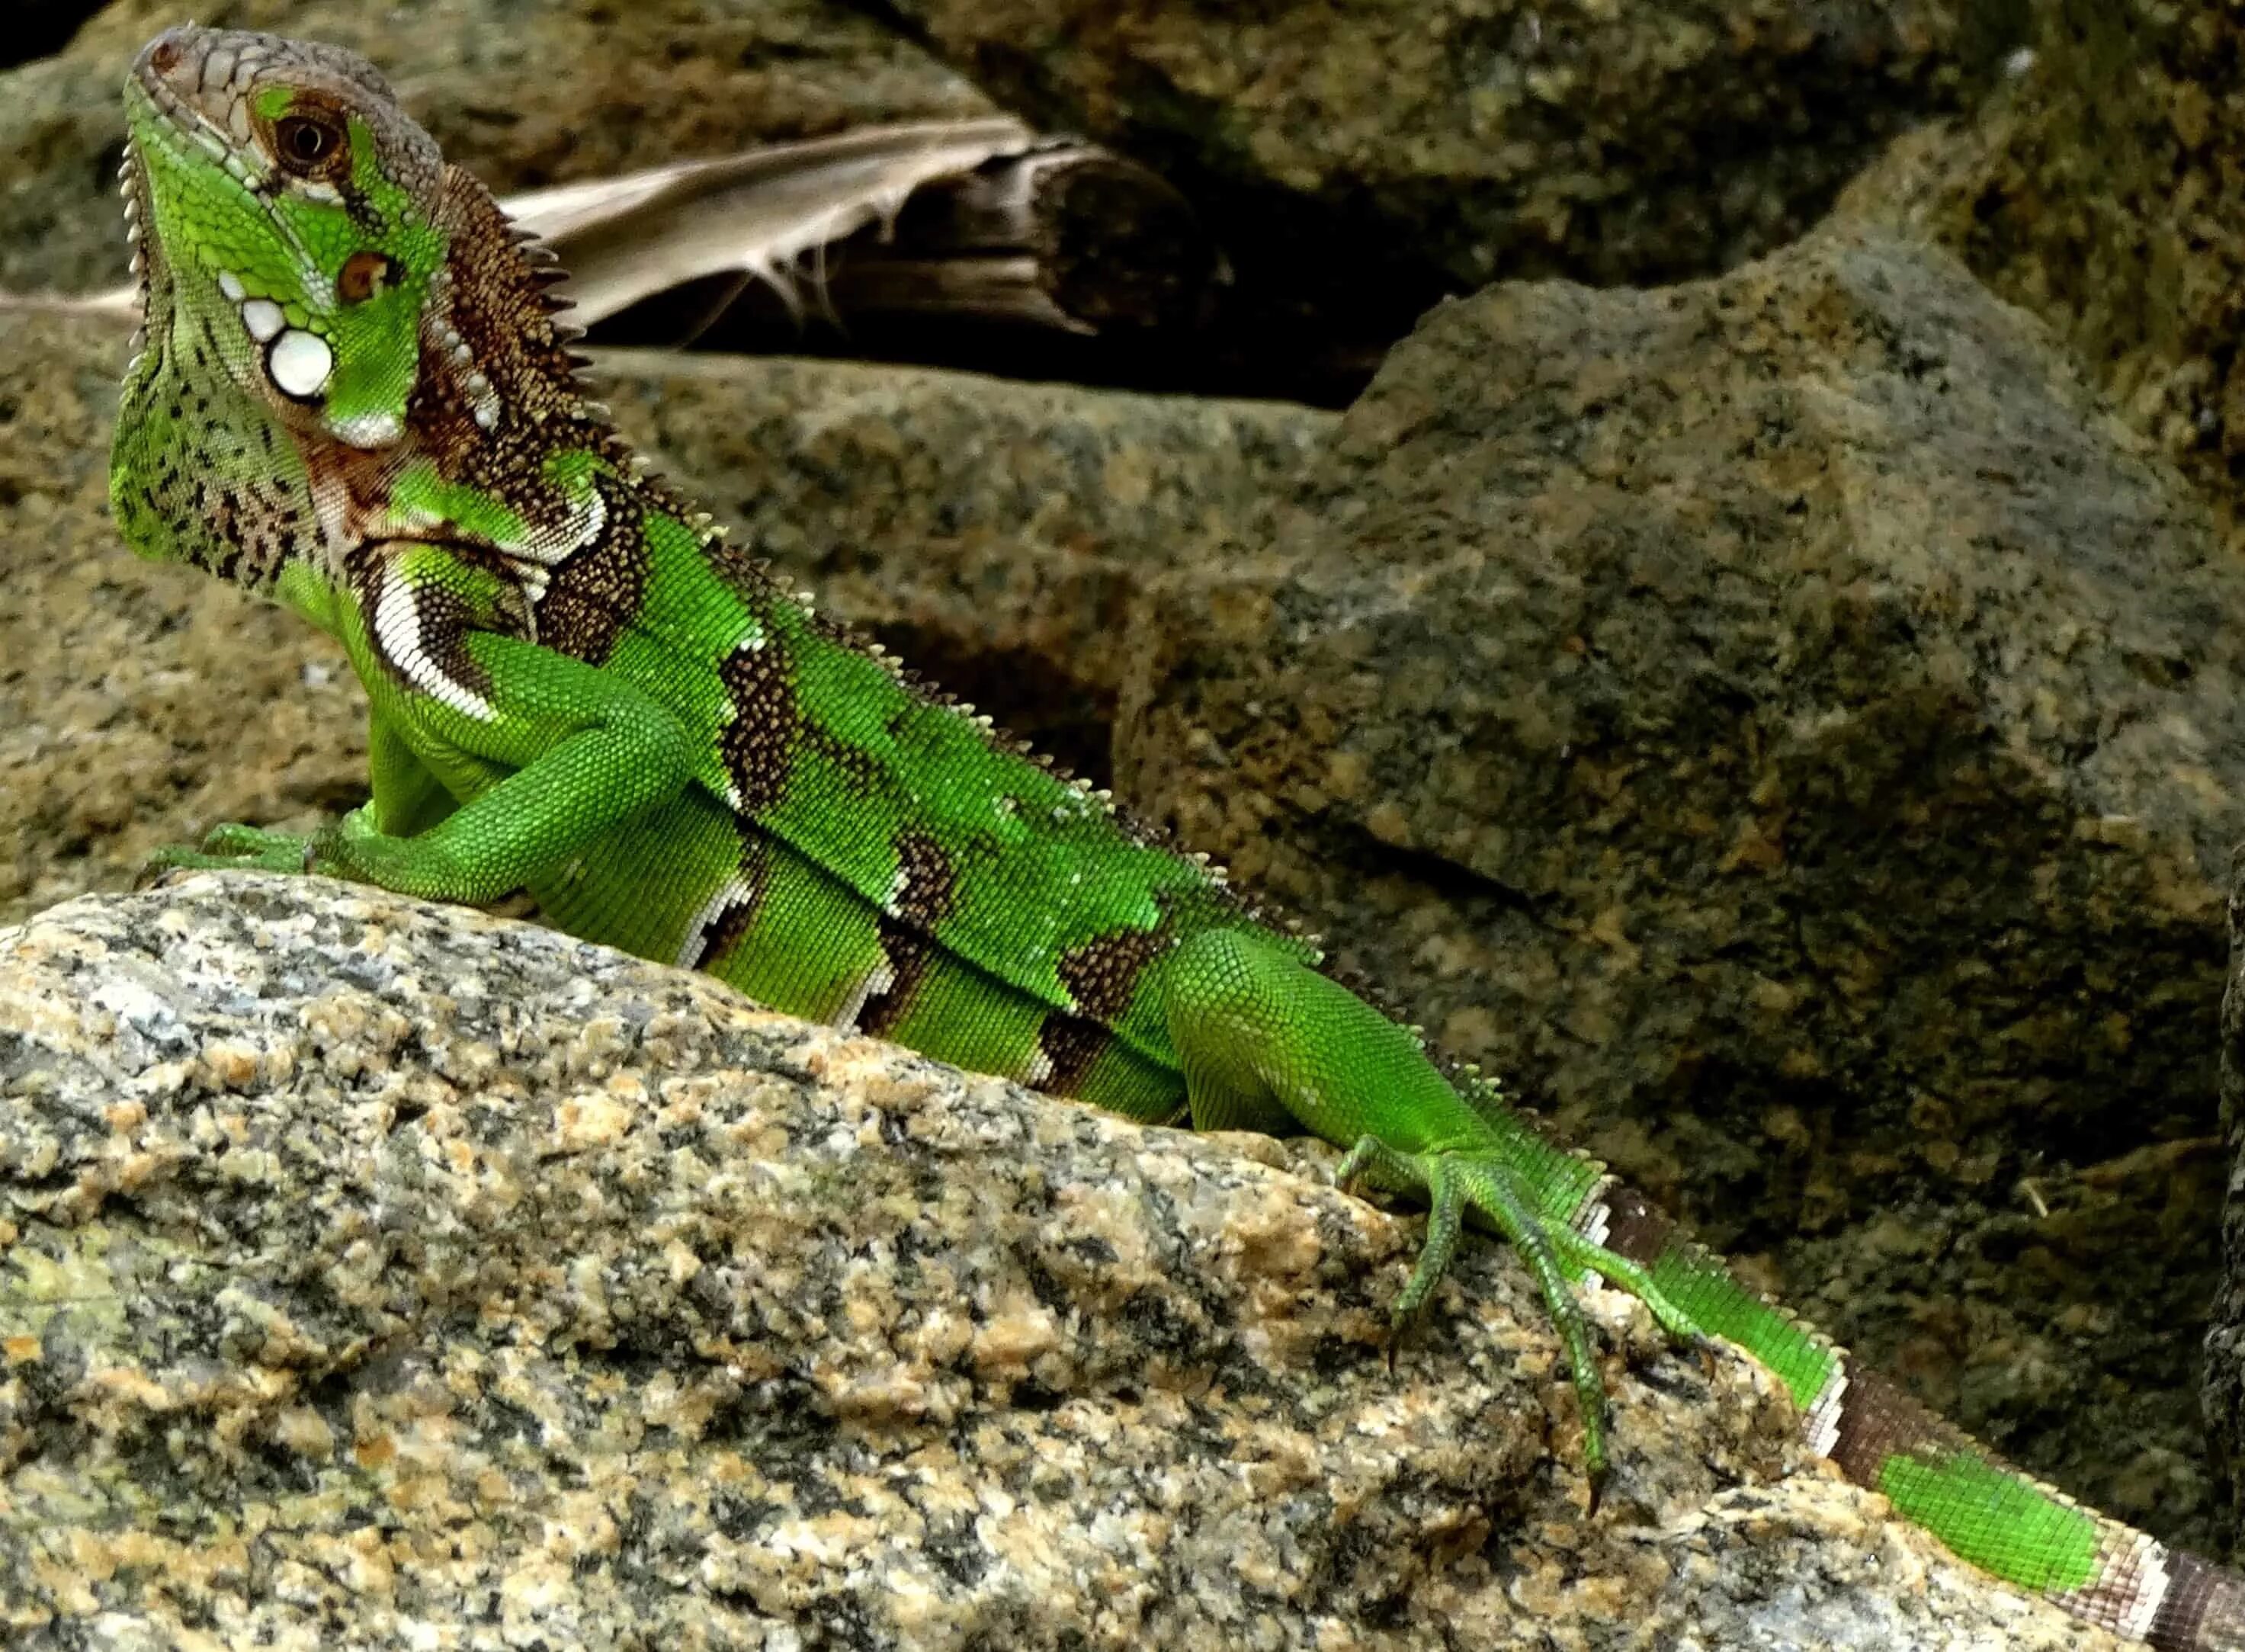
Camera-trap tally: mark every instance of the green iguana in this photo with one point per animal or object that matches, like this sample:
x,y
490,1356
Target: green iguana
x,y
352,393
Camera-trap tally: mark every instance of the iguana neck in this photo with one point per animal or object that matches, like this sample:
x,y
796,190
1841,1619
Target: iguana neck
x,y
499,423
497,387
505,459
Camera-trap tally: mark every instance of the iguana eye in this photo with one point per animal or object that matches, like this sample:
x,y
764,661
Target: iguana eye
x,y
305,142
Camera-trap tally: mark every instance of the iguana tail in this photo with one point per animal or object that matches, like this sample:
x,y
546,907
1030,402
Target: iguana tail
x,y
1990,1512
1264,1044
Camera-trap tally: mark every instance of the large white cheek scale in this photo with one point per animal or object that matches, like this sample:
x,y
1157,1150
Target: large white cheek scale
x,y
300,362
263,319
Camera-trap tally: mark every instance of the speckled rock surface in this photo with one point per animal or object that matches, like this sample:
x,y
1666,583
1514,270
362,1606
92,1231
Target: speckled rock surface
x,y
1786,726
995,532
522,92
2103,188
1376,153
374,1274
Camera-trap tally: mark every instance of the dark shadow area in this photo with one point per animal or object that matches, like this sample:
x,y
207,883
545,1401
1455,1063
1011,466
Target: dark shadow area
x,y
41,28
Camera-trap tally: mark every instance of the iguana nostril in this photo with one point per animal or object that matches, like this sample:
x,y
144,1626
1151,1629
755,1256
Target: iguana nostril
x,y
364,275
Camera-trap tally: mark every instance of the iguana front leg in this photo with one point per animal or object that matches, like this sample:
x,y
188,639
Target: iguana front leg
x,y
1264,1040
566,753
406,797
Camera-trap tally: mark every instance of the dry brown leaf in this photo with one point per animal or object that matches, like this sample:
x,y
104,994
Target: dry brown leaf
x,y
757,215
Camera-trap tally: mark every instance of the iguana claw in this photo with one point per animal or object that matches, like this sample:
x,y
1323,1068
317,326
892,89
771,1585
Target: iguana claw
x,y
1559,1257
233,847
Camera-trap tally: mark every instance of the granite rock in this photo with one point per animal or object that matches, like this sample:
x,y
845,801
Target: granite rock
x,y
1790,728
2225,1336
2102,188
522,92
380,1273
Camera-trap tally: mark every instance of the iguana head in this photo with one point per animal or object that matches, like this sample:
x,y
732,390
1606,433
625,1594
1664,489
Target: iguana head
x,y
345,345
291,213
289,237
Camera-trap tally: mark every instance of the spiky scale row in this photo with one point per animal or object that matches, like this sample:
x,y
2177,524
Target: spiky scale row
x,y
578,686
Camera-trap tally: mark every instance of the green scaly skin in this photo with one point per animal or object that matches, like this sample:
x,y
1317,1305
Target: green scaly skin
x,y
352,394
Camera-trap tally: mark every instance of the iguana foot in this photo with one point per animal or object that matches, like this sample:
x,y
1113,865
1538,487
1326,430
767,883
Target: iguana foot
x,y
350,847
1555,1254
233,847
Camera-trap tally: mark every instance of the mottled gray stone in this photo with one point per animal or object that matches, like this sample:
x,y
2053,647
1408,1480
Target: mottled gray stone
x,y
2225,1337
2100,189
1791,729
522,92
375,1274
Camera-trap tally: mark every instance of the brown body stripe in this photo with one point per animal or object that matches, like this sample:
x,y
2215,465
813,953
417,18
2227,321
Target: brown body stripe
x,y
909,953
596,593
758,744
1071,1043
927,883
1874,1423
1101,974
730,921
2204,1610
1634,1228
859,769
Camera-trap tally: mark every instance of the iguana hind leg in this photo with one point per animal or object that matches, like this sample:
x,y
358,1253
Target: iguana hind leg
x,y
1265,1042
